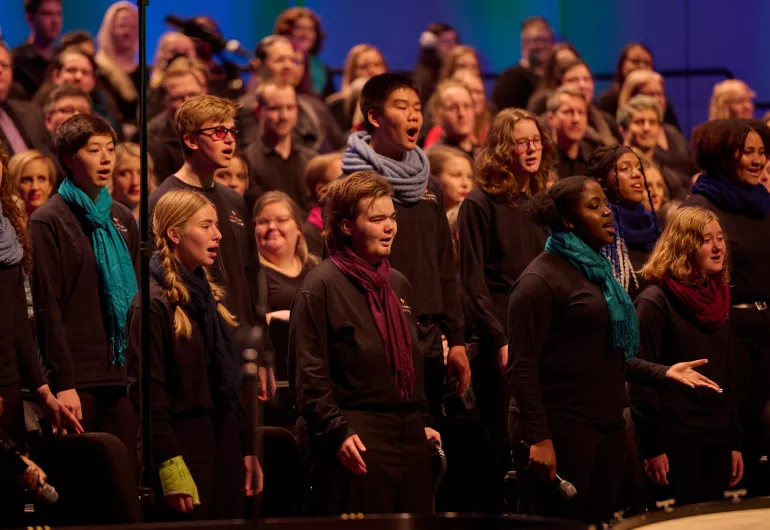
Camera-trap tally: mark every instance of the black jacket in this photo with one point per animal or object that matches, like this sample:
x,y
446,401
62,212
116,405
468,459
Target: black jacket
x,y
164,147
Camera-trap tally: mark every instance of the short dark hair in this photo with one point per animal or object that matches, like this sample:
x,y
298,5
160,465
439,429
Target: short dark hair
x,y
58,60
378,89
75,132
65,91
31,7
717,143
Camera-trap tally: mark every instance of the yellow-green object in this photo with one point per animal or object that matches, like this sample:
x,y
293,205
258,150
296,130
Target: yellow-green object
x,y
176,479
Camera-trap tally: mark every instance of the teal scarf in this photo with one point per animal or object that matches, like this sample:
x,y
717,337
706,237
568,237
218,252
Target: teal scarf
x,y
624,325
113,262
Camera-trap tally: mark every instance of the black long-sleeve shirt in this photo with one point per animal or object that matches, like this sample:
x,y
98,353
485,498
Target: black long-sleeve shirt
x,y
179,384
668,336
560,362
748,243
18,356
339,356
68,297
497,242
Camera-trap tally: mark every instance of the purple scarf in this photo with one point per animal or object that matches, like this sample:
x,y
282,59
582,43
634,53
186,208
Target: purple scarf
x,y
386,311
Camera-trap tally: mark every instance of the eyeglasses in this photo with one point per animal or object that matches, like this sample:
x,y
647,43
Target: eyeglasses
x,y
523,144
219,132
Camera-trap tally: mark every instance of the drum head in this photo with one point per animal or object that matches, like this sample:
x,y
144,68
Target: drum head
x,y
751,514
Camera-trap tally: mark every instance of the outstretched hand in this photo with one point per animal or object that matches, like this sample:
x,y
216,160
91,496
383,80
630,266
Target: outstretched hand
x,y
685,373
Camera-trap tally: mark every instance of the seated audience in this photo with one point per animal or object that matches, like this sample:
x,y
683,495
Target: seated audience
x,y
235,177
362,62
690,440
224,76
567,119
563,54
452,109
118,73
320,171
32,177
201,470
303,28
64,102
436,42
126,177
639,121
362,429
22,125
87,249
32,58
731,98
183,80
277,161
516,85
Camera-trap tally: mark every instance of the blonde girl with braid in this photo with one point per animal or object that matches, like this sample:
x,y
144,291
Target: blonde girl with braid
x,y
195,368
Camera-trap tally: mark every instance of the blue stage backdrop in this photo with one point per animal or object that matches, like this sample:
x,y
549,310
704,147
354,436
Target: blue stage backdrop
x,y
682,33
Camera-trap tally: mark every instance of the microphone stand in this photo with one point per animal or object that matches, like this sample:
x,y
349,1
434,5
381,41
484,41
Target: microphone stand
x,y
146,490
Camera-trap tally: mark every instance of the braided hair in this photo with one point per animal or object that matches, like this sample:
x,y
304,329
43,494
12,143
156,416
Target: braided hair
x,y
602,162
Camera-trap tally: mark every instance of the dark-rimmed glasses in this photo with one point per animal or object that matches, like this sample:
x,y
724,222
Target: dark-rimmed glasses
x,y
219,132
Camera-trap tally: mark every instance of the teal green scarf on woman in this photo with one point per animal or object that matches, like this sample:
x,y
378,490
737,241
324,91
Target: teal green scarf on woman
x,y
113,262
624,325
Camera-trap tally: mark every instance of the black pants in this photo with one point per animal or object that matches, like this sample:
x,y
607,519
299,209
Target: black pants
x,y
752,382
398,477
699,471
593,461
212,453
108,409
433,353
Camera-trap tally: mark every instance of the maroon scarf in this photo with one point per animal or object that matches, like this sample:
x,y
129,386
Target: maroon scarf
x,y
386,311
708,304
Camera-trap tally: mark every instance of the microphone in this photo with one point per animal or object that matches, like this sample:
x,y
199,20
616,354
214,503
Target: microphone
x,y
195,30
9,452
567,490
46,493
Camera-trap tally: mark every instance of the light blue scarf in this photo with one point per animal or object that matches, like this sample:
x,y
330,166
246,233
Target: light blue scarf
x,y
113,262
624,325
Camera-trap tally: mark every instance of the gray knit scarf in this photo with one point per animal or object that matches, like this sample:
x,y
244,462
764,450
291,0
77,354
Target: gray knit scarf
x,y
10,248
409,177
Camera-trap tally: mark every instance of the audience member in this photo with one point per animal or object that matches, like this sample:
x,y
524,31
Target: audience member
x,y
568,120
459,59
277,161
454,171
319,172
436,42
235,177
78,39
452,109
87,254
563,54
659,196
224,77
118,72
639,121
362,62
731,98
31,59
21,123
171,46
573,335
126,177
32,178
303,28
196,368
182,80
392,113
481,107
732,154
359,370
690,440
620,172
62,103
516,85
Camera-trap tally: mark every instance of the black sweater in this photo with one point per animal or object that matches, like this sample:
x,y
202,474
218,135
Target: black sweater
x,y
340,360
67,294
748,242
497,242
18,356
668,336
560,363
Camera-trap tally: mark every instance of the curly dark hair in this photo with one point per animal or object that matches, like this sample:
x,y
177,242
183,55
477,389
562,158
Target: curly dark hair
x,y
284,25
718,142
13,211
493,168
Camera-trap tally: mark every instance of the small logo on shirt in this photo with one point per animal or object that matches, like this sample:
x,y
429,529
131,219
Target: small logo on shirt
x,y
429,196
405,307
235,219
121,228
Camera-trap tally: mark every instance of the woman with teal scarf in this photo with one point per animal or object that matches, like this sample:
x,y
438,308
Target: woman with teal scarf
x,y
84,281
572,336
